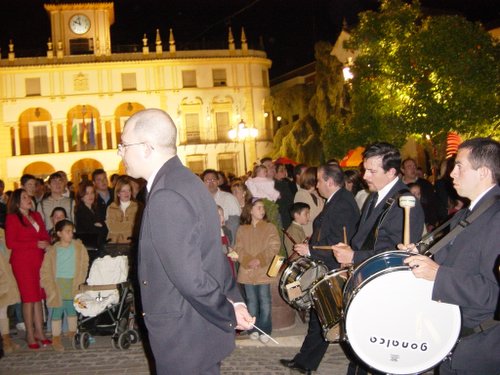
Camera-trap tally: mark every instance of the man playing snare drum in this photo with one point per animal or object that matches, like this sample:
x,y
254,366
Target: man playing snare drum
x,y
466,270
340,215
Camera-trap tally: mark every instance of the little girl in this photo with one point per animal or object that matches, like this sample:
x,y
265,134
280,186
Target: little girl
x,y
64,268
257,242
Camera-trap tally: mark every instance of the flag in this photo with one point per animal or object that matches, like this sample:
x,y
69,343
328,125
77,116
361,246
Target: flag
x,y
91,131
74,133
85,135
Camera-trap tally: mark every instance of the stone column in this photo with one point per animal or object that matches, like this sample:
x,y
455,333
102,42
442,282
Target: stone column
x,y
65,137
113,134
55,138
17,139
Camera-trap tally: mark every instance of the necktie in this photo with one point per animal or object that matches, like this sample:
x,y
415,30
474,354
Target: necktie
x,y
372,204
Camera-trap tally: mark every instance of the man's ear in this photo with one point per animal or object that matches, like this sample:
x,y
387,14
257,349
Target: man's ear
x,y
485,173
393,171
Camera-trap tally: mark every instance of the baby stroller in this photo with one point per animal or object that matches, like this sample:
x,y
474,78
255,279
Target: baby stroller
x,y
106,305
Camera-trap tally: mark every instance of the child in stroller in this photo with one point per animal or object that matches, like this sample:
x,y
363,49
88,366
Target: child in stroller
x,y
106,304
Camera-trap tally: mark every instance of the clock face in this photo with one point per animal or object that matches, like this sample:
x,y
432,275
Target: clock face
x,y
79,24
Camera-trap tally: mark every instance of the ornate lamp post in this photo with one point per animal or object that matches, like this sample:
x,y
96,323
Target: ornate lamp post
x,y
242,133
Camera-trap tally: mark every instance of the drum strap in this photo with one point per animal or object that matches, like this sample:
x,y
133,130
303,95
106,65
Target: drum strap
x,y
370,240
484,326
464,222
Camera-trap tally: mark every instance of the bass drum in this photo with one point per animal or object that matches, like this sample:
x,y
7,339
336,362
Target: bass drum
x,y
297,279
391,321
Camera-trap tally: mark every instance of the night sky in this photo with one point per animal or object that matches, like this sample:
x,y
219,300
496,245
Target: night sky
x,y
286,28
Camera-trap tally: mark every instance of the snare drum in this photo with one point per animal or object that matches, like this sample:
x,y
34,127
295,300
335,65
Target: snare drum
x,y
391,321
297,279
326,295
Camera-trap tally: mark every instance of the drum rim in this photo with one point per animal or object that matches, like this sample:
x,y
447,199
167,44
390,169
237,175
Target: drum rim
x,y
455,310
371,277
302,306
334,272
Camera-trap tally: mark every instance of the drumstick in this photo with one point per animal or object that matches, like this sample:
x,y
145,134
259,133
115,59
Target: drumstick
x,y
345,235
265,334
407,202
322,247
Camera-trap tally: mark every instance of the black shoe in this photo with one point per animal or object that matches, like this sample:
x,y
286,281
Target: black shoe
x,y
290,363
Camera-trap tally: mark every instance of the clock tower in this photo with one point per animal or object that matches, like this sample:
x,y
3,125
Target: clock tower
x,y
81,27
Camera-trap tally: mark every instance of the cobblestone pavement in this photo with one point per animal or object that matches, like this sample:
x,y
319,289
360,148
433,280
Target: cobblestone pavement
x,y
244,360
250,357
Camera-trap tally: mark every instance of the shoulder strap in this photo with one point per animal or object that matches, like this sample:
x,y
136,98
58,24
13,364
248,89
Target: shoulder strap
x,y
462,224
370,240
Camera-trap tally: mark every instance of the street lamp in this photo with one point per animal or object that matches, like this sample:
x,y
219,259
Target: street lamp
x,y
242,133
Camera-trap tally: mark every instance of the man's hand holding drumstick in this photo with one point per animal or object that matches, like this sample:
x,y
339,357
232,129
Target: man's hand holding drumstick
x,y
343,252
422,266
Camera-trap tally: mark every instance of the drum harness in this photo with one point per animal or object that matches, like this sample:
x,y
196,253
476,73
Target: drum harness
x,y
370,241
425,248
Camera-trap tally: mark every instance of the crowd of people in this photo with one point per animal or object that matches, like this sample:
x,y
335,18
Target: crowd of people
x,y
48,233
277,209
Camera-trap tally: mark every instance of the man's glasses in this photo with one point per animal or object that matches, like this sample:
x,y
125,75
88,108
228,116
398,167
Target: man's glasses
x,y
123,146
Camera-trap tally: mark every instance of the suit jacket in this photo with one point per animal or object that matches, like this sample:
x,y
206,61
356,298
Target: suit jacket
x,y
328,227
467,277
185,280
390,230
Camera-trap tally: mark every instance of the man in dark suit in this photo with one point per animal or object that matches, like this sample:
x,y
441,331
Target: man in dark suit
x,y
465,271
191,305
340,211
105,195
381,225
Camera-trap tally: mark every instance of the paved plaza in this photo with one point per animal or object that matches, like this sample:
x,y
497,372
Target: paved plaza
x,y
250,357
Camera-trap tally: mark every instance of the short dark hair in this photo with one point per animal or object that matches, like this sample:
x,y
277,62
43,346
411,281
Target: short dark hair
x,y
297,170
391,158
484,152
208,171
408,159
53,176
61,209
26,177
263,160
97,172
334,172
62,223
298,207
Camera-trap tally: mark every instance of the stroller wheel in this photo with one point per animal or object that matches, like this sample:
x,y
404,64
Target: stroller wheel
x,y
134,336
75,342
85,340
114,342
124,341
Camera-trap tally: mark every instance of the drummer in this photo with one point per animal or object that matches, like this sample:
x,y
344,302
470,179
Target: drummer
x,y
340,212
466,270
381,225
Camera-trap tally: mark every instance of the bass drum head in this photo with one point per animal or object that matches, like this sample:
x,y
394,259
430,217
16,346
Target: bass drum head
x,y
394,326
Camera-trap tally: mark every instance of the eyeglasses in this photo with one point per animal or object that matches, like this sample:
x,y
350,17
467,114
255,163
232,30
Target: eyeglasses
x,y
123,146
211,180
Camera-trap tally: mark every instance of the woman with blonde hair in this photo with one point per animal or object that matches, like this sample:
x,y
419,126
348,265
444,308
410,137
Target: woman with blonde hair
x,y
123,215
241,192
